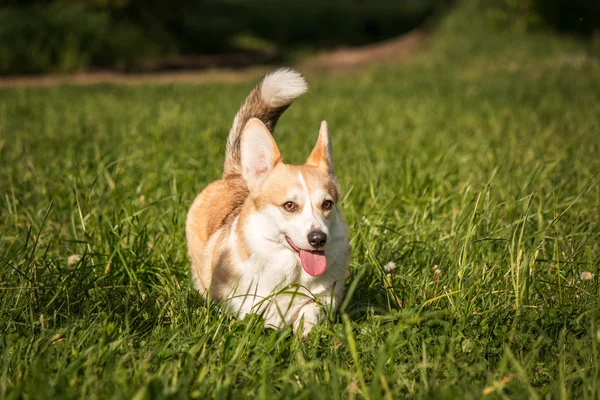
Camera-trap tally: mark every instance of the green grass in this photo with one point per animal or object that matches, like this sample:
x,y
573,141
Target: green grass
x,y
485,165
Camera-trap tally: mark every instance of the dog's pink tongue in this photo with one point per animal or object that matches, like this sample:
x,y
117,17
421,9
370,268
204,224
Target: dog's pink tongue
x,y
313,262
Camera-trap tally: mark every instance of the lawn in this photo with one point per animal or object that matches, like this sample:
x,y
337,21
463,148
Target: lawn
x,y
476,172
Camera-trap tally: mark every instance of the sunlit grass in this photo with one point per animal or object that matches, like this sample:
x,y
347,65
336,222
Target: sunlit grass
x,y
479,182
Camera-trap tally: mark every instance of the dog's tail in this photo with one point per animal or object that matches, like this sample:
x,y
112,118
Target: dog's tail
x,y
267,101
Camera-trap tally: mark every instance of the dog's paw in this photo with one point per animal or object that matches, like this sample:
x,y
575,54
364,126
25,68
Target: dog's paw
x,y
307,319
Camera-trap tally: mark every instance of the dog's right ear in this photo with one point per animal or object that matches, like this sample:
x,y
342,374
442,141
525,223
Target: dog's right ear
x,y
321,154
259,153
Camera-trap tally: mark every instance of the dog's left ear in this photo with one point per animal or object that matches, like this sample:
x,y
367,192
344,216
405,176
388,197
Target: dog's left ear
x,y
321,155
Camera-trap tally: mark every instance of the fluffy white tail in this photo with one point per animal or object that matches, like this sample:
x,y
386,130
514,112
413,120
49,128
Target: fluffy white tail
x,y
267,101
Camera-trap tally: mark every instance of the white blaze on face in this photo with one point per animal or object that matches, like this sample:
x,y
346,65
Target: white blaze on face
x,y
310,218
286,229
314,262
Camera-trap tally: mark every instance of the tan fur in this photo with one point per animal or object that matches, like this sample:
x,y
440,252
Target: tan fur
x,y
235,214
284,176
214,209
275,188
319,154
316,177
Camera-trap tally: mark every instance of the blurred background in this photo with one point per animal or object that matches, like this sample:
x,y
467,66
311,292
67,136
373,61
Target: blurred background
x,y
64,36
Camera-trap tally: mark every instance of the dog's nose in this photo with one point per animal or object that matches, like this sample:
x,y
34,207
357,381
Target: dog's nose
x,y
317,238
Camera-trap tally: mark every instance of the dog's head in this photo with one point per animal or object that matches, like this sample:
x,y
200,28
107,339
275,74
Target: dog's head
x,y
299,202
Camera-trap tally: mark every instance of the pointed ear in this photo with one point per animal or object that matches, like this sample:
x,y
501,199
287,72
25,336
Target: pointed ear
x,y
321,154
259,153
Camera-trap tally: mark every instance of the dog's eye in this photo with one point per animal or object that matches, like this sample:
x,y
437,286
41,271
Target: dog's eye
x,y
290,206
327,205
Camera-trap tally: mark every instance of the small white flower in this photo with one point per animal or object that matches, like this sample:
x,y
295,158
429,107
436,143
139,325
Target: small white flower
x,y
73,259
389,267
586,276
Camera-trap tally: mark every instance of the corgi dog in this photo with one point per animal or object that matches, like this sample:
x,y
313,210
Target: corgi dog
x,y
268,237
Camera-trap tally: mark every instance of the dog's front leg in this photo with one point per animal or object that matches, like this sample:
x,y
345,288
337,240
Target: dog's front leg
x,y
288,311
308,317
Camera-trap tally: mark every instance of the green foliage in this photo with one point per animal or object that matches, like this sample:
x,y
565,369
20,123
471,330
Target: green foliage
x,y
66,36
333,23
468,32
475,173
515,14
56,38
575,16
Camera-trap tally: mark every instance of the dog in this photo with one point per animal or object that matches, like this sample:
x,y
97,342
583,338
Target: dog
x,y
268,237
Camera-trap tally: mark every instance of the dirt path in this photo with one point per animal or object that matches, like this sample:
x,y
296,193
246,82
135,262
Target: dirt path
x,y
391,51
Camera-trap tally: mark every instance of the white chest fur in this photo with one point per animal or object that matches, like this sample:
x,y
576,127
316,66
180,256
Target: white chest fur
x,y
273,283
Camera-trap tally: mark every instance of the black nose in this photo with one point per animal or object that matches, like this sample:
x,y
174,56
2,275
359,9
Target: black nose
x,y
317,238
